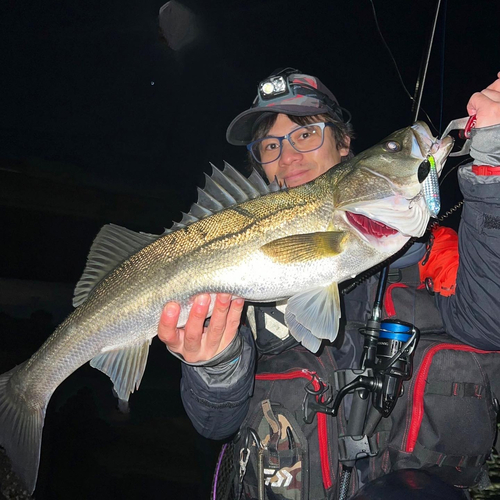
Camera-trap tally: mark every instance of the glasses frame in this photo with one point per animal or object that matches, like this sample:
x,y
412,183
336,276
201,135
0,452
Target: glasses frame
x,y
322,126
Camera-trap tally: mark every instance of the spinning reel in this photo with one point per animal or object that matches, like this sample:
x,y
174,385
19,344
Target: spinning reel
x,y
386,363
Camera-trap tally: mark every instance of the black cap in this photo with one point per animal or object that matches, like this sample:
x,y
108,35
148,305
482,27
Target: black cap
x,y
298,95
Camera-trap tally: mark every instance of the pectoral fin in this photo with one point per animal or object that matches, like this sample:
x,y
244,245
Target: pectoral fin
x,y
125,367
306,247
314,315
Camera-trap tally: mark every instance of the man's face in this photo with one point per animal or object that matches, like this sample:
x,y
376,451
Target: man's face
x,y
296,168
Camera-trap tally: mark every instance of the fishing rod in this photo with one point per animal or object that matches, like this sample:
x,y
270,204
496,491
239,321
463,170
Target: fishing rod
x,y
373,324
388,372
419,86
386,360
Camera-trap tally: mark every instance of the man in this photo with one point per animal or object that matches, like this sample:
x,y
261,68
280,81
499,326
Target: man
x,y
218,368
291,167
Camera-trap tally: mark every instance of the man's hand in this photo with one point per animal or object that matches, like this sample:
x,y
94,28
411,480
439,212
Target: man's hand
x,y
486,105
195,342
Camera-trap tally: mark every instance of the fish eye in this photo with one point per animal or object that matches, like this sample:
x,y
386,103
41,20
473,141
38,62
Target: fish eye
x,y
423,170
392,146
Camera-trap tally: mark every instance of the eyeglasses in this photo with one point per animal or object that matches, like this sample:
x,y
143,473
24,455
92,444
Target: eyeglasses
x,y
303,139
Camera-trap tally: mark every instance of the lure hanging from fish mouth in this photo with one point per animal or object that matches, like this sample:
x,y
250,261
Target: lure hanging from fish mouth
x,y
430,188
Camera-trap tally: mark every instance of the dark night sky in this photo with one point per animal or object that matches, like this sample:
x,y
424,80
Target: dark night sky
x,y
96,107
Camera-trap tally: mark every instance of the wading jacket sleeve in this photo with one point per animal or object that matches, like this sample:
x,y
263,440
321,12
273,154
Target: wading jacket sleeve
x,y
216,396
472,314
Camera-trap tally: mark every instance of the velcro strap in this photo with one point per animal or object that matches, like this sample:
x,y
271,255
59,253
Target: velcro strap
x,y
441,459
491,222
485,170
460,389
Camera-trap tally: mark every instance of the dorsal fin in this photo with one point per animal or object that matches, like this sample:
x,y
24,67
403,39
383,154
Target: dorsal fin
x,y
217,191
112,246
228,184
224,189
249,189
259,183
208,201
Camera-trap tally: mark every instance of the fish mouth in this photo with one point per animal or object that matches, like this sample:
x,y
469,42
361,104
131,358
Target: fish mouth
x,y
382,222
369,227
426,144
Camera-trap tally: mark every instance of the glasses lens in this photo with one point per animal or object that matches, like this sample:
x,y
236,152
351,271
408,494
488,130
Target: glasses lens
x,y
307,138
266,150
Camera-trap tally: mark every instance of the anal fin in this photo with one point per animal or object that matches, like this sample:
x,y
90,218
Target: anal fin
x,y
125,367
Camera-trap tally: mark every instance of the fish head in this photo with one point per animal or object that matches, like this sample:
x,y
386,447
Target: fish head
x,y
380,194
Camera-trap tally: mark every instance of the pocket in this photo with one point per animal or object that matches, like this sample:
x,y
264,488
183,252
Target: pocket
x,y
277,467
320,436
452,423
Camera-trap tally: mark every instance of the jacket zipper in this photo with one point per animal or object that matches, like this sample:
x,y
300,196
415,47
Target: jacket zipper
x,y
417,413
322,423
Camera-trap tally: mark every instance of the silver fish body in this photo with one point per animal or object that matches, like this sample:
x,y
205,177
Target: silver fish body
x,y
295,244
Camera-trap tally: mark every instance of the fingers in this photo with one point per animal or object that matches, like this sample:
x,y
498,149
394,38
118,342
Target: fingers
x,y
217,325
487,110
234,317
482,100
225,322
195,342
475,102
486,105
195,325
167,327
493,95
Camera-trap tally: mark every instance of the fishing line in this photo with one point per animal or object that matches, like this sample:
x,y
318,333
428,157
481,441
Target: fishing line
x,y
395,63
453,209
416,101
452,169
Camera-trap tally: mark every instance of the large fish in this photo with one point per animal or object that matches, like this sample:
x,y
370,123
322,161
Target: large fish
x,y
241,238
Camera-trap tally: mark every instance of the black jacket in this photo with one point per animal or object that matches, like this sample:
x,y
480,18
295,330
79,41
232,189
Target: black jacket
x,y
216,397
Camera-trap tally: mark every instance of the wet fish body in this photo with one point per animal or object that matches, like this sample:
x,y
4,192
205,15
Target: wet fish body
x,y
241,238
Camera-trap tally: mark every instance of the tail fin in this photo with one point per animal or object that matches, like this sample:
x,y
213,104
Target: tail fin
x,y
20,430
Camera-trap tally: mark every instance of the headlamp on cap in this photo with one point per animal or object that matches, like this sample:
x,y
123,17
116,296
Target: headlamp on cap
x,y
273,86
287,91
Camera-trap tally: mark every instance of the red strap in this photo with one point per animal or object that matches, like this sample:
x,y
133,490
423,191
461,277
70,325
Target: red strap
x,y
389,301
485,170
420,384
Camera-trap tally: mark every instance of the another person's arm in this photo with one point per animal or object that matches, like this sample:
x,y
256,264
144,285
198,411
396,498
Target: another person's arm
x,y
472,314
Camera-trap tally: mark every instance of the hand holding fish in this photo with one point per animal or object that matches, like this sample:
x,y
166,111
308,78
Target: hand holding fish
x,y
486,105
195,342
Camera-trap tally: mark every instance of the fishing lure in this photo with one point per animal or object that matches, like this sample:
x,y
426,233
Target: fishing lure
x,y
431,188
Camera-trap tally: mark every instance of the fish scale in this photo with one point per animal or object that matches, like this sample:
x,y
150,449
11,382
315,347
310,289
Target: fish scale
x,y
295,244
